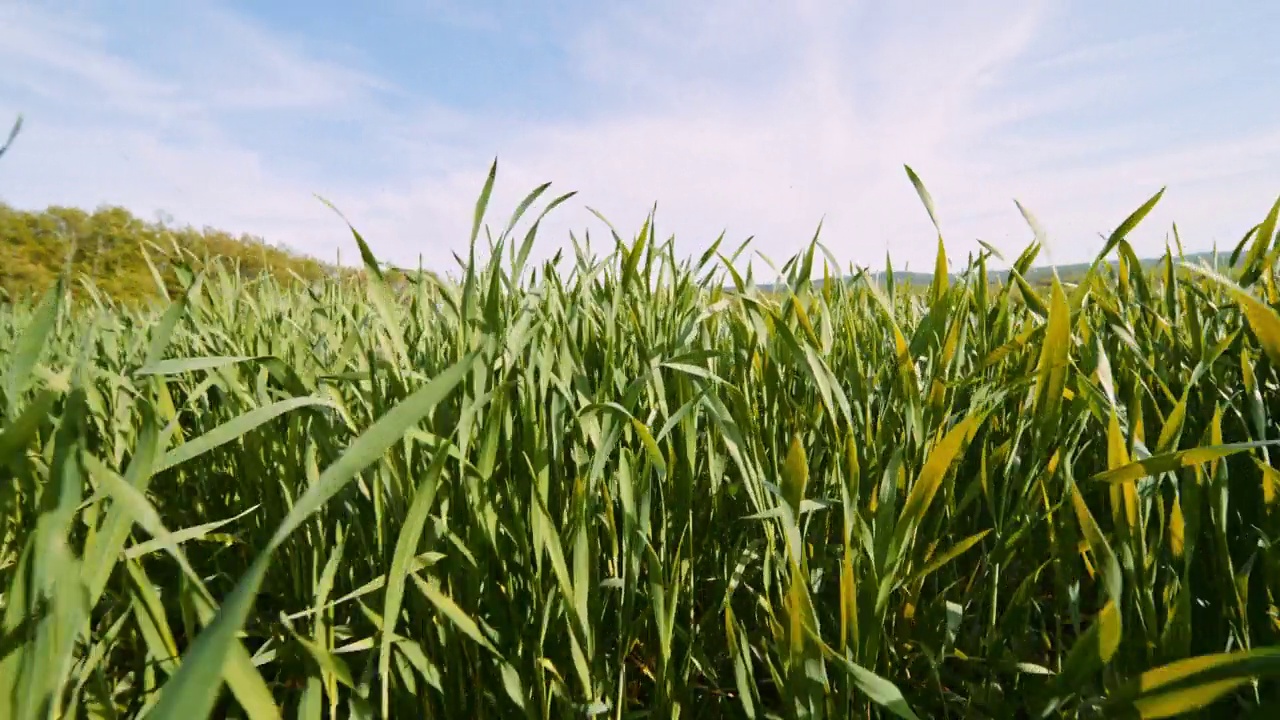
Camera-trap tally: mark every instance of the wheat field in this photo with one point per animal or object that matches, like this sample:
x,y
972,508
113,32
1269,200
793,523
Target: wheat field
x,y
624,484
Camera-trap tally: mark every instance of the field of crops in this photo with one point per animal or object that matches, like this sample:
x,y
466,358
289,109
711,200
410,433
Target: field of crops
x,y
635,482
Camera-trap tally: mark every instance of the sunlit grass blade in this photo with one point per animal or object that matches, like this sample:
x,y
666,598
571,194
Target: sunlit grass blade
x,y
27,350
1192,683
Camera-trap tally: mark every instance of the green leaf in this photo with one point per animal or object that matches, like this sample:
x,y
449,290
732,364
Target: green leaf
x,y
1253,263
435,595
195,532
378,292
1041,237
1131,222
17,435
233,429
30,345
483,201
406,548
925,197
163,331
877,689
325,660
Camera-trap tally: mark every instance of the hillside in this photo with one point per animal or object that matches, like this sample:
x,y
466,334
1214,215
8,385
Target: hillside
x,y
109,249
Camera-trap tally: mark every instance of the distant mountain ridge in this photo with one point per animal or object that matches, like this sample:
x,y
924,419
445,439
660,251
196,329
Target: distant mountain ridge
x,y
1040,274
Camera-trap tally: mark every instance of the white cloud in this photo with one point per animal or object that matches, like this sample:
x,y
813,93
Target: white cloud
x,y
759,119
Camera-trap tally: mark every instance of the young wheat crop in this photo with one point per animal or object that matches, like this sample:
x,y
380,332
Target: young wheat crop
x,y
639,483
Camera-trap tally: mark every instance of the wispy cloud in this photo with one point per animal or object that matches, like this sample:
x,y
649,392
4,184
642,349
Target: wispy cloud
x,y
234,64
760,119
58,58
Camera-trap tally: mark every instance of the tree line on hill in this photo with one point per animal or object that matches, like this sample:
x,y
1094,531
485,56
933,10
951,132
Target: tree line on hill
x,y
125,256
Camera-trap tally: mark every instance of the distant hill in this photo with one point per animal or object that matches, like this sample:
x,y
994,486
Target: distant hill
x,y
1038,274
1043,273
109,242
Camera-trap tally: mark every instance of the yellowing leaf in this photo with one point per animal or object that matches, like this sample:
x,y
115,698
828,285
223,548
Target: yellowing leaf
x,y
934,470
1177,530
1270,484
1108,565
1167,462
1180,702
795,475
1051,373
954,552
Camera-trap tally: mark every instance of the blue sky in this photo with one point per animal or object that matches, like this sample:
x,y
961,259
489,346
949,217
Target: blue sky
x,y
753,118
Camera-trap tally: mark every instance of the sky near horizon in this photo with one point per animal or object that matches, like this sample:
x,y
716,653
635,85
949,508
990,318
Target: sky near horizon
x,y
746,117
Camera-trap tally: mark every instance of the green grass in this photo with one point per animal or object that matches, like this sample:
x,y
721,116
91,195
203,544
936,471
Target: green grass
x,y
634,482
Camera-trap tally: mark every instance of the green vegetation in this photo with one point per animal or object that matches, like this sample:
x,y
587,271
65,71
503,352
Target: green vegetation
x,y
123,257
632,482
